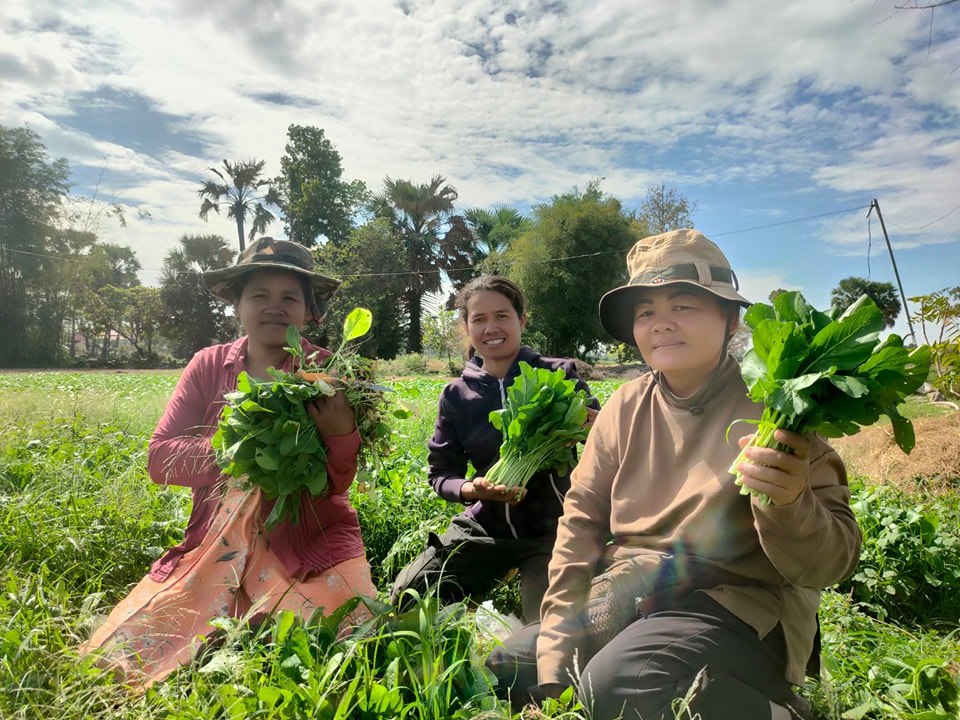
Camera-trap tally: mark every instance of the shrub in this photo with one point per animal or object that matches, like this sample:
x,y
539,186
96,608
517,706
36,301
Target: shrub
x,y
909,567
409,364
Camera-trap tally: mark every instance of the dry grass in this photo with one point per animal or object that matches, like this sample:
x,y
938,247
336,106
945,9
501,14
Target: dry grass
x,y
934,464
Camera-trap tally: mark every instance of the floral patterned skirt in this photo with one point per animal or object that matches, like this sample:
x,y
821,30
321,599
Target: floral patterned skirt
x,y
159,626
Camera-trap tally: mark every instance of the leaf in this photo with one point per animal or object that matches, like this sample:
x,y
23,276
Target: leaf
x,y
903,432
787,350
357,324
244,383
276,514
848,341
267,458
317,483
757,313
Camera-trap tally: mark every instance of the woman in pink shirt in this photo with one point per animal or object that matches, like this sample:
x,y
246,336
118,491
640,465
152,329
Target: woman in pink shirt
x,y
228,564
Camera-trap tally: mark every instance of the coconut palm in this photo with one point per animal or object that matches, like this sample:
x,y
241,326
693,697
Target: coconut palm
x,y
243,192
418,212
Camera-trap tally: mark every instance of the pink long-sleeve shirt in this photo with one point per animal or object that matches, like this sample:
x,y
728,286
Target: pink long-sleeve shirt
x,y
328,532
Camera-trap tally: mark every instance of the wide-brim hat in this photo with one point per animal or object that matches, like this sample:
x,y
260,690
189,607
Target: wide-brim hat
x,y
268,253
678,257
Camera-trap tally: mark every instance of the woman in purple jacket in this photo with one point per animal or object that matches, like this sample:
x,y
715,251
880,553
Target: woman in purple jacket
x,y
502,529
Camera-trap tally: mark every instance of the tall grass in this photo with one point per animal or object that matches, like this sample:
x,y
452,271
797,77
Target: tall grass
x,y
80,522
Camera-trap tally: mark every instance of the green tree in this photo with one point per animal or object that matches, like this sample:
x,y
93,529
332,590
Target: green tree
x,y
775,293
32,190
664,209
316,200
417,213
110,270
443,333
939,318
493,231
113,265
573,253
193,318
63,271
371,263
849,290
142,320
244,192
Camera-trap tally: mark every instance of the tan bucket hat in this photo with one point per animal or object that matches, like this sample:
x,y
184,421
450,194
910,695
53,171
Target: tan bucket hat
x,y
678,257
266,252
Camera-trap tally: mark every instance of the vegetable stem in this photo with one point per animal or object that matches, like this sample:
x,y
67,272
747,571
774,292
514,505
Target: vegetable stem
x,y
769,423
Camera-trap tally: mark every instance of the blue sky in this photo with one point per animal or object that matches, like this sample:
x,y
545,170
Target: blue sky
x,y
761,112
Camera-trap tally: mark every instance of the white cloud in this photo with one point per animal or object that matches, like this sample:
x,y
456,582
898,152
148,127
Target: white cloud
x,y
515,103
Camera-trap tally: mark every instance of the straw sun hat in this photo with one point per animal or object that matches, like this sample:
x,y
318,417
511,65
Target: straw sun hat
x,y
272,254
685,257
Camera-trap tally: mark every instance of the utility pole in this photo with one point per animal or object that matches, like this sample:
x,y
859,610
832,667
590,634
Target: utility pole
x,y
876,206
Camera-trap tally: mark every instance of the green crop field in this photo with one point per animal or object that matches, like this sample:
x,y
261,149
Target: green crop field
x,y
80,522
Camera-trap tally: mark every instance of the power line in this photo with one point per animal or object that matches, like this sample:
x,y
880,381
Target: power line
x,y
934,222
565,258
791,222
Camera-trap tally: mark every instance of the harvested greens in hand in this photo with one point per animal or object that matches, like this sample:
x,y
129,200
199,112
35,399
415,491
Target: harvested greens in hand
x,y
266,436
817,372
543,416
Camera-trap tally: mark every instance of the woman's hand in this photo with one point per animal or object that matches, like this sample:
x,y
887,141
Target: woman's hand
x,y
780,475
480,489
591,417
332,415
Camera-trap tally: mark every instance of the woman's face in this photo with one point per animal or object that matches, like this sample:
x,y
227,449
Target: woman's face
x,y
271,300
680,332
493,326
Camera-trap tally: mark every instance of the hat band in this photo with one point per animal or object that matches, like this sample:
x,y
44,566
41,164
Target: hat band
x,y
685,271
285,258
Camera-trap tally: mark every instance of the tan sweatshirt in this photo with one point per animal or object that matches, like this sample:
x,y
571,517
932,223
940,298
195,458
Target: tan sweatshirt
x,y
653,477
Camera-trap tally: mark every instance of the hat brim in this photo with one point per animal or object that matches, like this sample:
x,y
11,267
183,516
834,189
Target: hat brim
x,y
617,306
222,282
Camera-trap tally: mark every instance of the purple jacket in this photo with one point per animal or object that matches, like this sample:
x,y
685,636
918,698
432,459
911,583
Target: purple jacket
x,y
463,434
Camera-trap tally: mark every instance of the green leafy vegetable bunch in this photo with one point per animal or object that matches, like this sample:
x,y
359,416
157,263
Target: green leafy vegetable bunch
x,y
266,436
543,416
827,372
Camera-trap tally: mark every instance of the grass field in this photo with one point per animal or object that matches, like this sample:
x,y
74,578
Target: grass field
x,y
81,523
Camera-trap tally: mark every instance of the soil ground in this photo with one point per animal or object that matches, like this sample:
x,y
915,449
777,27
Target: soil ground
x,y
933,466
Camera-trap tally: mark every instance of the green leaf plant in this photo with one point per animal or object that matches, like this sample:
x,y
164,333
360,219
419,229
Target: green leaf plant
x,y
266,436
542,418
819,372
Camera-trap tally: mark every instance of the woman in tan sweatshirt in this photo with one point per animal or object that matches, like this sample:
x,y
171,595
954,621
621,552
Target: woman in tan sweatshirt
x,y
663,575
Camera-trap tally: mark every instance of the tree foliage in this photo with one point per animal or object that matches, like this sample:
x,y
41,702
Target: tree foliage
x,y
193,318
371,265
493,231
316,201
939,318
849,290
244,192
572,255
32,189
664,209
443,333
418,213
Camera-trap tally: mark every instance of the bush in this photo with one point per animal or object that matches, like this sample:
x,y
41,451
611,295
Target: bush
x,y
909,567
409,364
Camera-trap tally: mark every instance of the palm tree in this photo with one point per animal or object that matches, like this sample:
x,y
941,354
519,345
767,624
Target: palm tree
x,y
243,192
493,231
417,213
193,317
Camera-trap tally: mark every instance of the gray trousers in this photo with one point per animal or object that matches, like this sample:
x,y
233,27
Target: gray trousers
x,y
657,659
467,562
